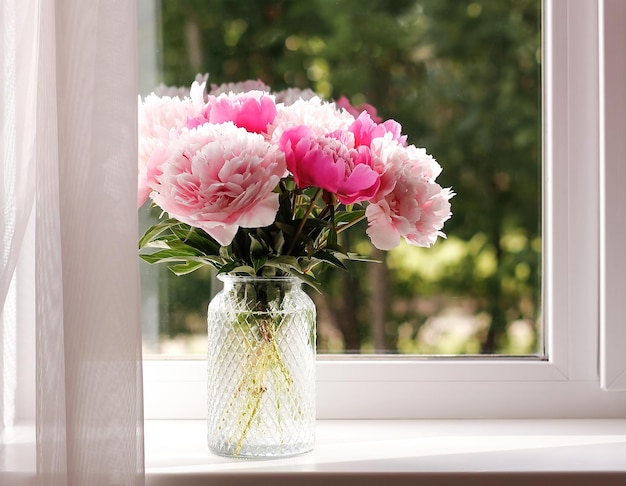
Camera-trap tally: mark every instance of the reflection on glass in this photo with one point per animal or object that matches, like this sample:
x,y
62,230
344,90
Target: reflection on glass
x,y
464,80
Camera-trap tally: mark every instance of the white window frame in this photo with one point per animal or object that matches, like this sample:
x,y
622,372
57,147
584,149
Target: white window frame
x,y
568,383
613,195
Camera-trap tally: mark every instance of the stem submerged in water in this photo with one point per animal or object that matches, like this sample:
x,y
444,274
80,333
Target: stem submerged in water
x,y
263,361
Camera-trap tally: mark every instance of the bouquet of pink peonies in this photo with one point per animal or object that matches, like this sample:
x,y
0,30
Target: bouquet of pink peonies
x,y
260,183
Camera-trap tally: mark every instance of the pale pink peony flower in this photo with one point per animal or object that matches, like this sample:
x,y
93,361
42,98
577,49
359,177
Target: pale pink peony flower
x,y
213,161
330,162
218,178
320,116
409,204
159,118
198,96
240,87
163,90
290,95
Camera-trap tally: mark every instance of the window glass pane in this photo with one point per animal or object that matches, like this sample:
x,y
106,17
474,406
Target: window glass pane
x,y
464,80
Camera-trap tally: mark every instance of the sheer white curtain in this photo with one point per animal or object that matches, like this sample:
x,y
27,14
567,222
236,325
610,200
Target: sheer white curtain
x,y
68,177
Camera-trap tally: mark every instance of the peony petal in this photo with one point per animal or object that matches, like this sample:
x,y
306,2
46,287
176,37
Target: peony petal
x,y
361,185
381,231
143,191
223,234
256,115
320,170
262,214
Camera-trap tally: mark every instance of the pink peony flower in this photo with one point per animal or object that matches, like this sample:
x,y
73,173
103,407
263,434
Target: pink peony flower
x,y
218,178
355,111
410,203
330,162
365,130
254,110
215,161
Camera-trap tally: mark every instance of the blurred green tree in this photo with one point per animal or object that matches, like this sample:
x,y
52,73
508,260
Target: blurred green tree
x,y
463,77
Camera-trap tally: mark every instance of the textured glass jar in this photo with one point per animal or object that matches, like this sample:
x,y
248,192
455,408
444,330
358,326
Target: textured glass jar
x,y
261,368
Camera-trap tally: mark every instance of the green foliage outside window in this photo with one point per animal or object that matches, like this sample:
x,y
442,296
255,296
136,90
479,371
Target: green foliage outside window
x,y
464,80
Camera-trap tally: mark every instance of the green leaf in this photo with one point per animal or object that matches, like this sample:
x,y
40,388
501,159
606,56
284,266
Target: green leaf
x,y
161,243
155,230
279,242
258,253
256,247
287,228
169,257
185,268
311,223
226,252
335,248
169,254
332,237
345,217
237,268
286,260
355,257
296,272
328,257
198,239
332,234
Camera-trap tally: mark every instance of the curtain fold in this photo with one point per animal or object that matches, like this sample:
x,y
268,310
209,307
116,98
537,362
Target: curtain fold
x,y
68,142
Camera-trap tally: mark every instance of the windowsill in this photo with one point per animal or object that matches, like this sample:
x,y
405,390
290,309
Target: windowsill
x,y
395,452
404,452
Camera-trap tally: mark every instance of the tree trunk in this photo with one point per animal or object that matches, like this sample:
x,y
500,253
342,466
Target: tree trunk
x,y
378,299
346,314
498,318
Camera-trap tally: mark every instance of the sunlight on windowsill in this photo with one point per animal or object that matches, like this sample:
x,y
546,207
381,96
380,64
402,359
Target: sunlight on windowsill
x,y
397,451
403,449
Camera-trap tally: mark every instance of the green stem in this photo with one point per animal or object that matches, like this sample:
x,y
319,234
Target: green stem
x,y
343,228
326,209
303,221
351,223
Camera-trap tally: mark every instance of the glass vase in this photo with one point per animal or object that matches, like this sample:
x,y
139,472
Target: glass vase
x,y
261,368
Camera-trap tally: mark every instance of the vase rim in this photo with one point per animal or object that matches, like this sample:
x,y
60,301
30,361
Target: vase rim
x,y
256,278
